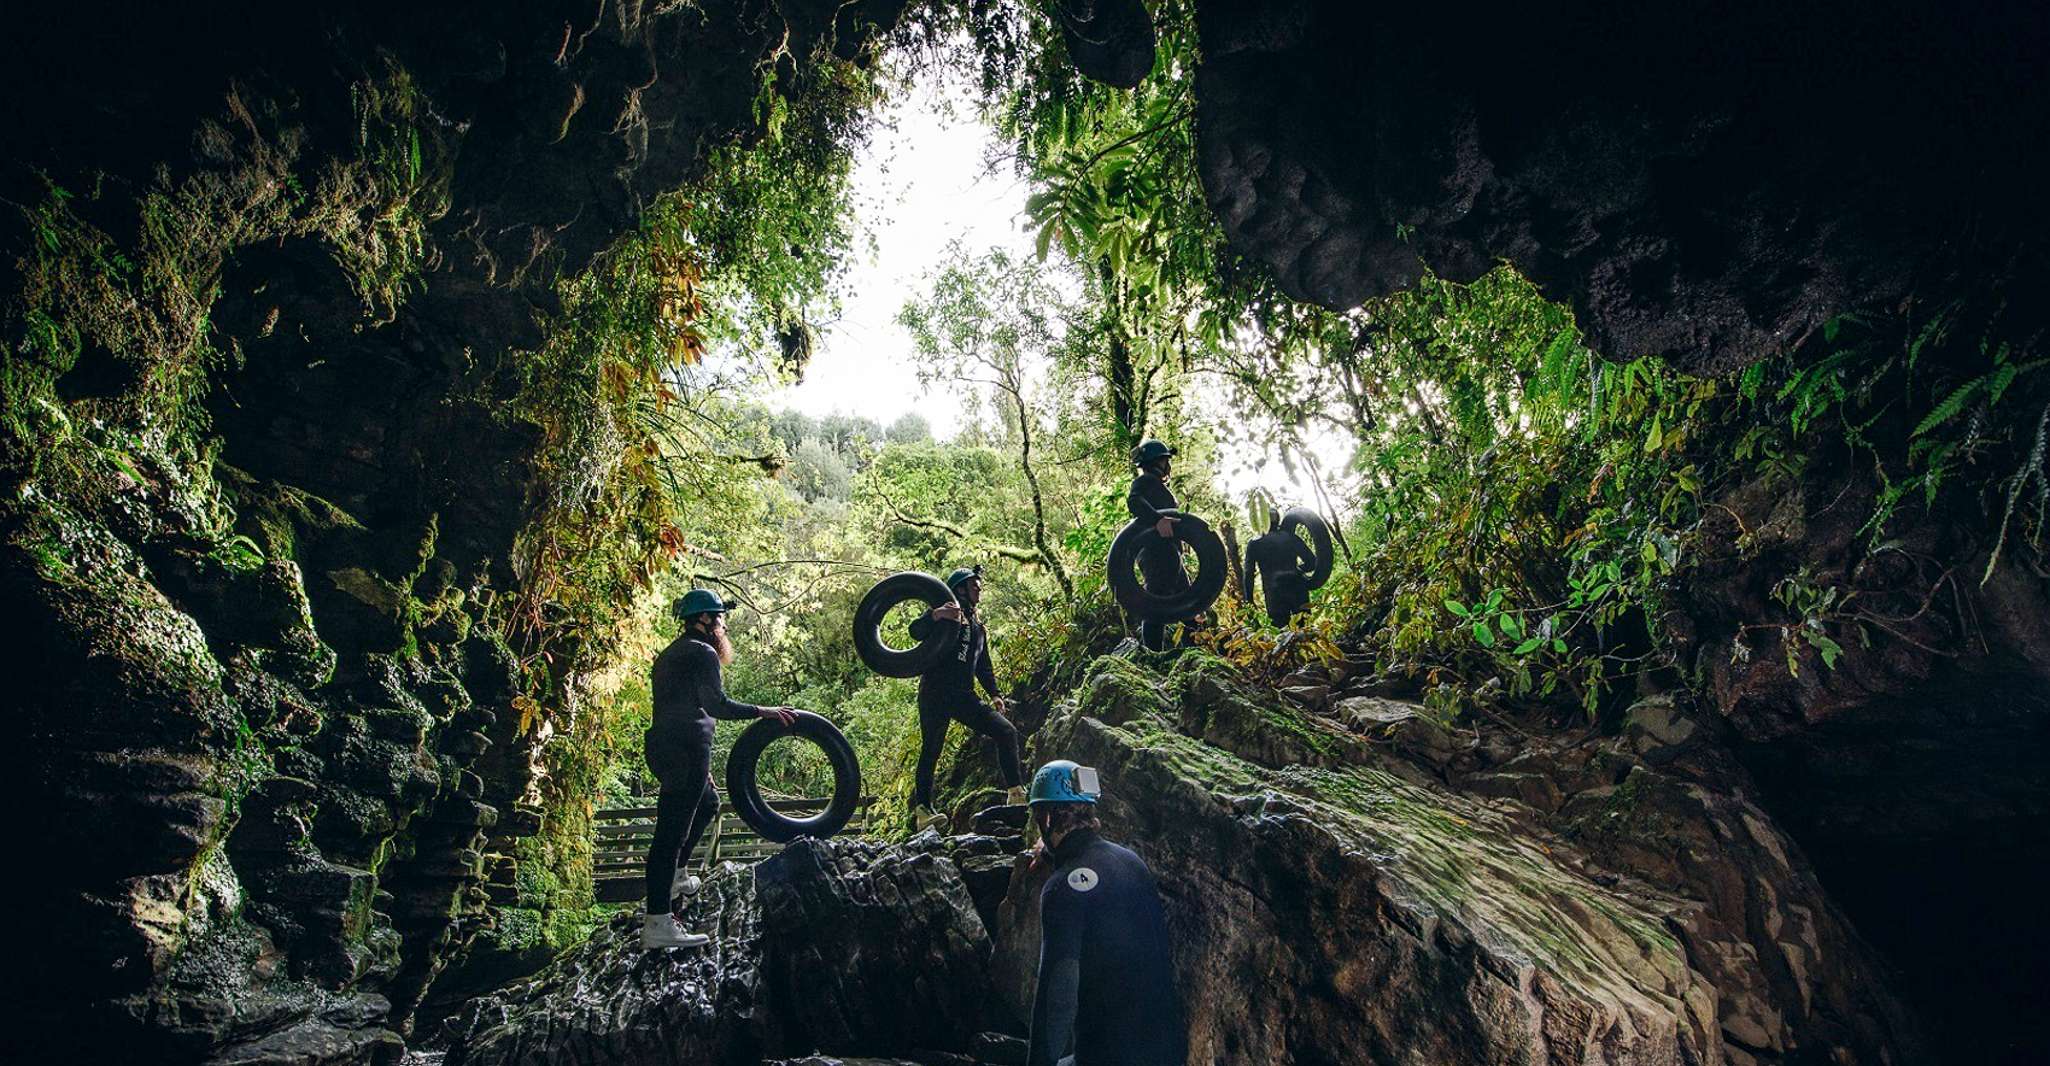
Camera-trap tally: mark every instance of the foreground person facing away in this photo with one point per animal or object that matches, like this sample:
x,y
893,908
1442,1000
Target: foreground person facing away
x,y
688,694
946,693
1106,994
1160,566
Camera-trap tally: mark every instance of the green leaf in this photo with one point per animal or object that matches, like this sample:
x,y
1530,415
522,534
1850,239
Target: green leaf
x,y
1482,633
1950,406
1559,645
1511,627
1455,607
1529,646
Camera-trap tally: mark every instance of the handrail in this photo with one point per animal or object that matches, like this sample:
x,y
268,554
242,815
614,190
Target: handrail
x,y
624,814
620,837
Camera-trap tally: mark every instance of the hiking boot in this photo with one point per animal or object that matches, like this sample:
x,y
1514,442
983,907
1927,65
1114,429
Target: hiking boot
x,y
924,818
663,931
686,884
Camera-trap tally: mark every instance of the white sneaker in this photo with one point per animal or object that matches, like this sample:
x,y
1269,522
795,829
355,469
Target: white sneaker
x,y
924,818
686,884
663,931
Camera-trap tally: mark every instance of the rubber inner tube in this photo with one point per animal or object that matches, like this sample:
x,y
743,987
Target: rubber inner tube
x,y
884,597
745,793
1203,588
1317,561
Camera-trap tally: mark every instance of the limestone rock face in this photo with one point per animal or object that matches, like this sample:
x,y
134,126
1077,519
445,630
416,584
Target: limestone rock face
x,y
611,1001
1707,183
1385,909
840,947
262,718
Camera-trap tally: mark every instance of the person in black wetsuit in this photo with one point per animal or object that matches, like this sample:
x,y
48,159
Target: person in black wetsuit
x,y
1278,558
688,695
946,693
1106,993
1160,566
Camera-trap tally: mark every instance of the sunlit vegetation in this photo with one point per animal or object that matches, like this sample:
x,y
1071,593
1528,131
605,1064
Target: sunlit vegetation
x,y
1515,513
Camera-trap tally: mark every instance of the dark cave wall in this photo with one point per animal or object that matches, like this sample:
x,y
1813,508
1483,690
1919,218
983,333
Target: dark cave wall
x,y
262,489
1704,182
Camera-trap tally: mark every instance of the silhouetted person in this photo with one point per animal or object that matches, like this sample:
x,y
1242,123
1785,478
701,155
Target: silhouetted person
x,y
946,693
1160,564
688,694
1278,556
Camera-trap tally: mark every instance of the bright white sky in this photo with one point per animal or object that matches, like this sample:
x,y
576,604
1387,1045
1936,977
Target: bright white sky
x,y
921,183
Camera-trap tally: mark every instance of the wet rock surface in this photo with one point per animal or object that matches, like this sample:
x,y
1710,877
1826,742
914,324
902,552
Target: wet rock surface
x,y
835,948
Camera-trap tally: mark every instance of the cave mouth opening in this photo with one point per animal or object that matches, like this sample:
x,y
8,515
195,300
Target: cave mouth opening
x,y
1928,829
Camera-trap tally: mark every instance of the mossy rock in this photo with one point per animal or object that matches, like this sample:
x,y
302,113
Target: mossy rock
x,y
1402,920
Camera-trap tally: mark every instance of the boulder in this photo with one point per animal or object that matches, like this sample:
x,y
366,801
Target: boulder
x,y
842,947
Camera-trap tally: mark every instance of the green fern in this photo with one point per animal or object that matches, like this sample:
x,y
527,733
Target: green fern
x,y
1951,405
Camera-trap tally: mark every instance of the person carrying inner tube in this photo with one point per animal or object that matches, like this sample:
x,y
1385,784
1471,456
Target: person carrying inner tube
x,y
688,694
1106,991
1276,556
946,693
1160,565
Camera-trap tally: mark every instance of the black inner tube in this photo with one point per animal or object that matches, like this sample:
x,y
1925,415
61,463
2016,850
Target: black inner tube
x,y
1202,590
879,602
744,791
1317,557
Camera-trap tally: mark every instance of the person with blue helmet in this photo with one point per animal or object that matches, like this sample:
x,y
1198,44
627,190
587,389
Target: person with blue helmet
x,y
1160,565
1106,992
688,694
946,693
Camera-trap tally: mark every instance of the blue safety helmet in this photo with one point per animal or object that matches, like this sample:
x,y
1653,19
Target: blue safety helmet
x,y
1061,781
697,602
963,574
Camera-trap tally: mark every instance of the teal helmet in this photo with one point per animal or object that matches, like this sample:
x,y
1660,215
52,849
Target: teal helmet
x,y
962,574
697,602
1149,450
1061,781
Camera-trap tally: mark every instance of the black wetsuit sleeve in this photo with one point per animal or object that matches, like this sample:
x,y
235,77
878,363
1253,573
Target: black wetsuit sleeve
x,y
711,690
986,671
1061,927
921,627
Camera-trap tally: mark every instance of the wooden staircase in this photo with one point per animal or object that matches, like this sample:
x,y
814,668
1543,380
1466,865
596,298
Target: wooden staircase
x,y
622,835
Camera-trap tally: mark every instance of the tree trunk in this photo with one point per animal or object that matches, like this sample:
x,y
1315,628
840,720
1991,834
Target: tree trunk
x,y
1118,367
1039,541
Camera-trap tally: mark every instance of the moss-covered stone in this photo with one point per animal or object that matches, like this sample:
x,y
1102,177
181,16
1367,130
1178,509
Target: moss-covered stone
x,y
1368,900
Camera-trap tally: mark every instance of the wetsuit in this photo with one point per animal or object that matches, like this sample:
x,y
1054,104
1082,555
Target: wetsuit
x,y
1278,556
1106,993
946,693
1160,565
688,695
